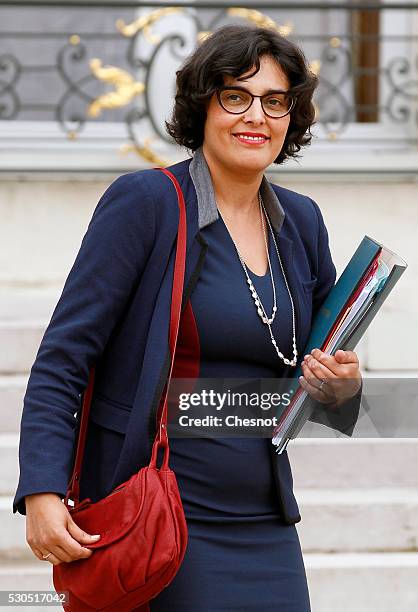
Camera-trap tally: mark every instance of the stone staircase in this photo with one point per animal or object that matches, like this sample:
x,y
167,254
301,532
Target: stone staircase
x,y
359,528
358,498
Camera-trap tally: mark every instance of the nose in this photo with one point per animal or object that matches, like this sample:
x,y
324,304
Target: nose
x,y
255,113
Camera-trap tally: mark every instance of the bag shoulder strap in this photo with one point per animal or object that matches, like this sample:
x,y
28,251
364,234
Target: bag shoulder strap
x,y
161,439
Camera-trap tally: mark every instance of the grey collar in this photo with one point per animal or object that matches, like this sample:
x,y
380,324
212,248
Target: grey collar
x,y
207,209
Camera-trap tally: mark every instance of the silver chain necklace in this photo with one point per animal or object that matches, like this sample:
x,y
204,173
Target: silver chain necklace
x,y
257,301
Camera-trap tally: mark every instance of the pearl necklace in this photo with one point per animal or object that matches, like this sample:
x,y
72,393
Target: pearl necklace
x,y
257,300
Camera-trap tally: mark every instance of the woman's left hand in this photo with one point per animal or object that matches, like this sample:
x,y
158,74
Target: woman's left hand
x,y
331,379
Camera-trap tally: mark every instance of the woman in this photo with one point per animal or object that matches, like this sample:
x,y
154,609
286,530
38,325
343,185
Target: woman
x,y
243,102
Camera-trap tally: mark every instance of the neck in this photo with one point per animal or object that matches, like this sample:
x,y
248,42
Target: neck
x,y
236,194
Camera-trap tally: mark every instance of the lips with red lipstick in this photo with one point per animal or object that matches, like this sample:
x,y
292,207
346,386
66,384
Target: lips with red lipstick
x,y
252,138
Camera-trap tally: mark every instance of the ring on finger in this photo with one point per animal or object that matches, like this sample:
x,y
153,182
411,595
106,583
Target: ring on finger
x,y
45,557
323,382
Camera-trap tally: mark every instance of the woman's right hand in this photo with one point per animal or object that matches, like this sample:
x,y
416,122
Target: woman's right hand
x,y
50,529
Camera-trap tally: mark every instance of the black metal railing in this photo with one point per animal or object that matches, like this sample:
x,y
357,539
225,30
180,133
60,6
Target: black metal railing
x,y
74,63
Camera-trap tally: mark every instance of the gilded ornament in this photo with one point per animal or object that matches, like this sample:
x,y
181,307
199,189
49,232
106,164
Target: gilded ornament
x,y
144,23
126,88
146,153
261,20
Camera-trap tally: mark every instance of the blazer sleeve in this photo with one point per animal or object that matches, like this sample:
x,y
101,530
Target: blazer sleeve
x,y
342,418
107,268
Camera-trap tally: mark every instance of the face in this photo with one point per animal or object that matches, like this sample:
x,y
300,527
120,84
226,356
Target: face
x,y
224,135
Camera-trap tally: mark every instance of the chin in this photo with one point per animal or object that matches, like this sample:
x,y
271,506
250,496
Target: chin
x,y
253,161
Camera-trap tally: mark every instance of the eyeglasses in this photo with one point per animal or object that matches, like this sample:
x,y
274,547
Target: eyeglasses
x,y
237,100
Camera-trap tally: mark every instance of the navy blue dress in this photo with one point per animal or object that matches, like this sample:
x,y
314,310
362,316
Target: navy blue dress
x,y
240,555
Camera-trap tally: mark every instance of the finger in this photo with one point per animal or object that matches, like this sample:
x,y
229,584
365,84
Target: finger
x,y
329,361
79,535
311,377
51,559
39,554
315,371
74,538
61,553
65,547
72,548
321,395
346,356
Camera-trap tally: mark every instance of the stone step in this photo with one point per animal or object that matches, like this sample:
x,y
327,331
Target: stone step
x,y
356,520
21,303
384,582
363,582
13,545
9,461
28,576
24,315
21,339
12,391
357,462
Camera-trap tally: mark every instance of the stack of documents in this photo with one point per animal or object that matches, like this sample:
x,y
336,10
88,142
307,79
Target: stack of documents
x,y
342,320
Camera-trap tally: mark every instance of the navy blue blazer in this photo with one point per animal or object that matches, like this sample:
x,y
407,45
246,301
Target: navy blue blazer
x,y
114,313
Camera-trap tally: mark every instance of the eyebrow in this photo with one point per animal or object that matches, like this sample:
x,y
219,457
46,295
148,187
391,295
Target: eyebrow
x,y
266,93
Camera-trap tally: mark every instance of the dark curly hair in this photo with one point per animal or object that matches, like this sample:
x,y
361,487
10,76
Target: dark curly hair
x,y
233,50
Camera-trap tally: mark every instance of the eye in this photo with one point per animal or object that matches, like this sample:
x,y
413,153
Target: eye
x,y
275,101
234,97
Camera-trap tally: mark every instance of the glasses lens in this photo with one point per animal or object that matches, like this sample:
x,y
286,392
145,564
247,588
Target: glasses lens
x,y
235,101
277,104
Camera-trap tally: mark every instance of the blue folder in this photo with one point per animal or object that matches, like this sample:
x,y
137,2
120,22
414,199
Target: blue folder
x,y
331,310
338,297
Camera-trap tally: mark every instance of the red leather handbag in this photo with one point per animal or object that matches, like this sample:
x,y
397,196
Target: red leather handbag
x,y
141,522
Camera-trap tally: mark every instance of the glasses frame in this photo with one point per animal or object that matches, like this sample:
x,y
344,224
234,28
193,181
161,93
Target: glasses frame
x,y
271,93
